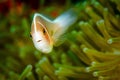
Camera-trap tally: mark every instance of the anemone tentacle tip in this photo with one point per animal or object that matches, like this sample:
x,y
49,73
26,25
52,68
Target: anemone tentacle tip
x,y
109,41
87,69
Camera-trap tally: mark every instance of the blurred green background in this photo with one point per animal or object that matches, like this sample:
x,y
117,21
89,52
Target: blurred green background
x,y
91,50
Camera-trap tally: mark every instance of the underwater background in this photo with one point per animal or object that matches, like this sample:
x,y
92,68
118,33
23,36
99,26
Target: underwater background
x,y
91,50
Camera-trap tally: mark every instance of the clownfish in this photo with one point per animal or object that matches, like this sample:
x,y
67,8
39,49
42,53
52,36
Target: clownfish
x,y
47,33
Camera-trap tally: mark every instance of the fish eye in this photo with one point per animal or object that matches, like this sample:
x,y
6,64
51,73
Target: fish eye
x,y
44,31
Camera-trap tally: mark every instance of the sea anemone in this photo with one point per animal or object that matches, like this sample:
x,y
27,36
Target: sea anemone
x,y
91,50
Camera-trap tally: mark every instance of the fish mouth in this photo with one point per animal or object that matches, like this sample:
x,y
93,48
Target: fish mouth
x,y
39,40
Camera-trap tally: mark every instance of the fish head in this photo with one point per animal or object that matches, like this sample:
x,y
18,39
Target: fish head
x,y
40,35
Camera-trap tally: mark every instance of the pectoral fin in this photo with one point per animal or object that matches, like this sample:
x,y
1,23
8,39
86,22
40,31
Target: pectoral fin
x,y
58,40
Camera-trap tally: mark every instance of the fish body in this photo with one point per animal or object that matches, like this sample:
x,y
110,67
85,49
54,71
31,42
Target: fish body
x,y
46,33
